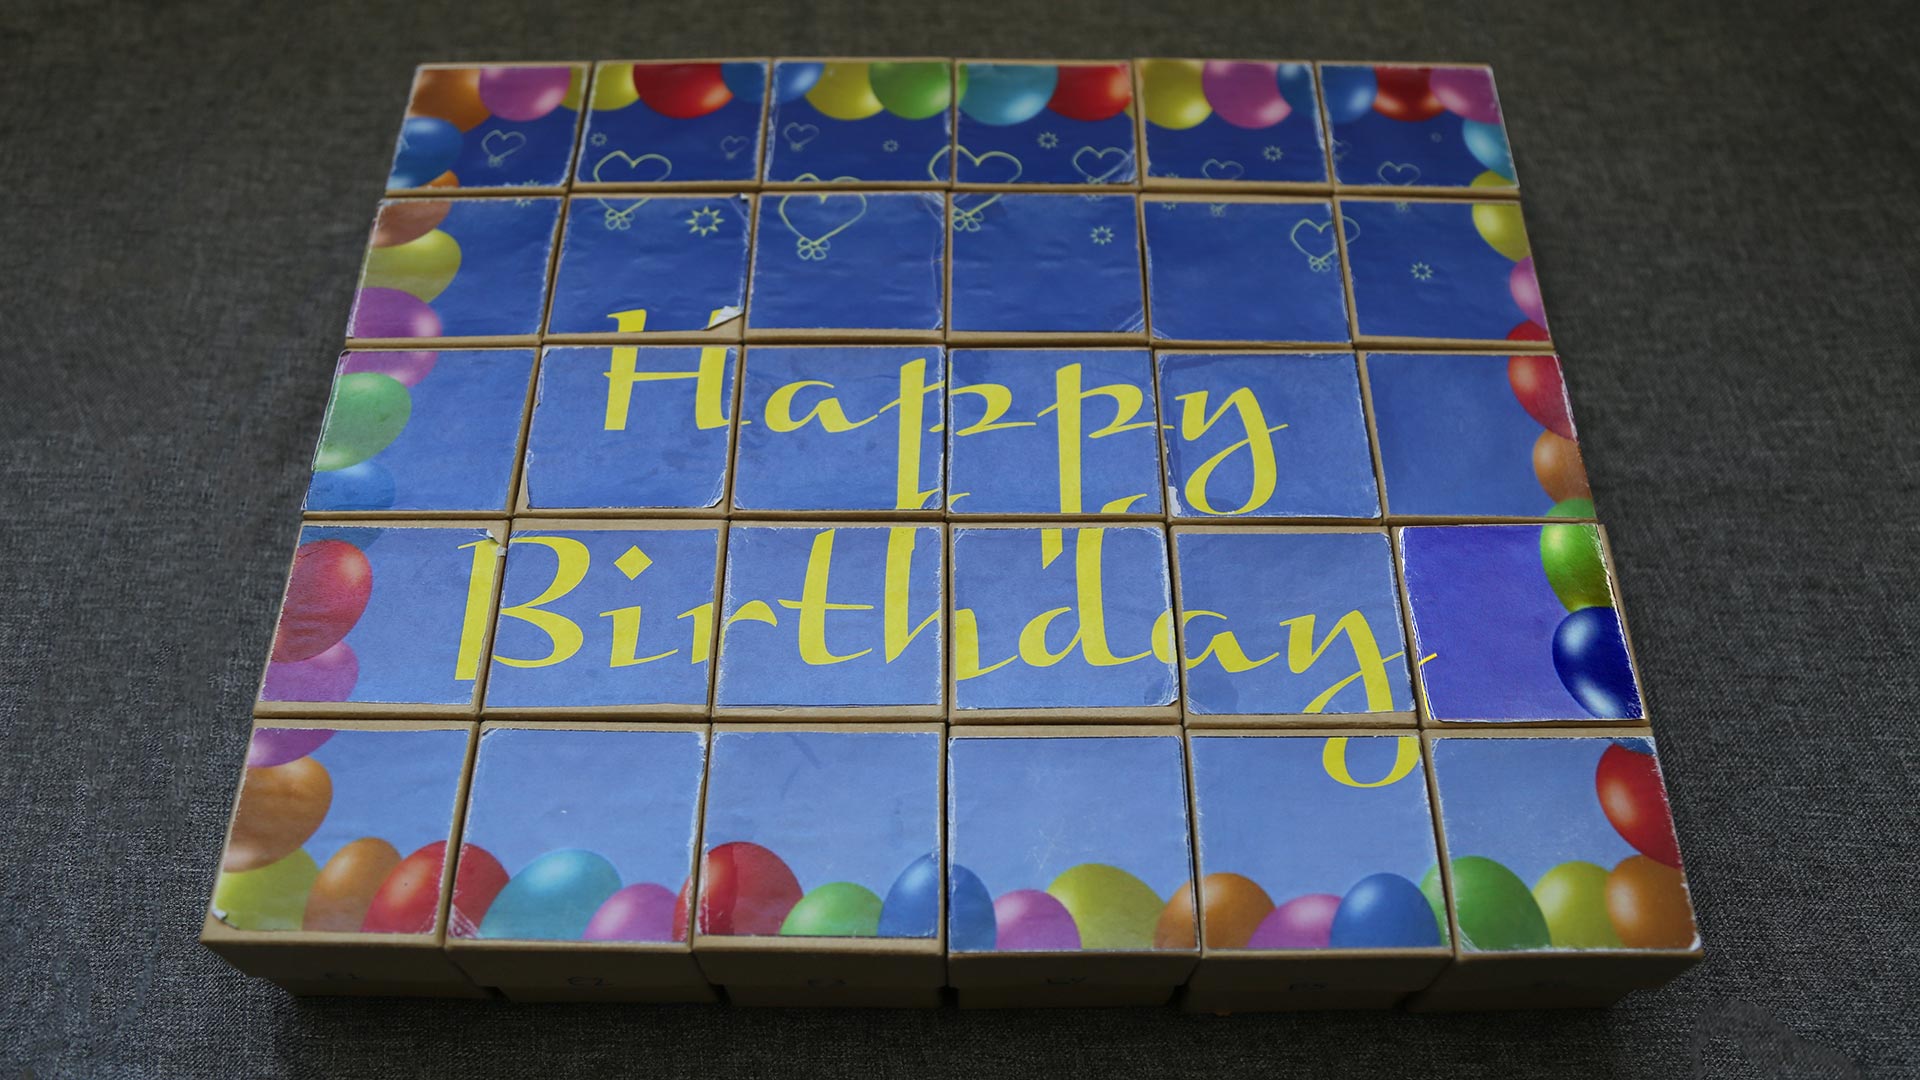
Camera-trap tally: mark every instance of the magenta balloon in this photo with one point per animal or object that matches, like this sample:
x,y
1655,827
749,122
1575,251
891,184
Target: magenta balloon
x,y
1245,95
1029,919
407,368
523,93
1466,92
1304,922
390,313
1526,291
635,913
277,746
328,676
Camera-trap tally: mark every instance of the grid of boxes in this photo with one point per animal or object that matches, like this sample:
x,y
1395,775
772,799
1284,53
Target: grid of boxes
x,y
836,532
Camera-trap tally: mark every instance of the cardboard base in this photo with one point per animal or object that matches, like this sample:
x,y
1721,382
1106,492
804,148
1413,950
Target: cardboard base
x,y
1063,996
836,997
1236,980
1516,998
636,995
376,988
1549,980
1225,1000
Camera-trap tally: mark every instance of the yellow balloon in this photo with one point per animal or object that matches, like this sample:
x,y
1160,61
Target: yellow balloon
x,y
613,88
1491,179
575,84
1501,227
844,92
1172,93
273,897
1112,908
423,267
1573,897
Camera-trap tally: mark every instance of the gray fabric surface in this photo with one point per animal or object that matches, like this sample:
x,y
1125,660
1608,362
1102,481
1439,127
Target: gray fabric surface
x,y
1721,203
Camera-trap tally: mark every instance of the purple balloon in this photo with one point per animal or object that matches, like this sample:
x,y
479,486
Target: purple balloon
x,y
1467,92
277,746
328,676
1304,922
1029,919
406,368
391,313
524,93
1246,95
636,913
1525,288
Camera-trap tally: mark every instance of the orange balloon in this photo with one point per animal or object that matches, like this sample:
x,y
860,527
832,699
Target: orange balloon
x,y
1557,465
1174,928
1234,906
408,219
452,94
445,179
1648,905
280,807
345,888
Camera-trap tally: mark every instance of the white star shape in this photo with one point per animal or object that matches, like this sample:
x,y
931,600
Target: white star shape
x,y
704,221
1102,234
1422,272
1272,153
1048,140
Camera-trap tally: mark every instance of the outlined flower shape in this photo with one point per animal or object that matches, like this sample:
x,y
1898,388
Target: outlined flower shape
x,y
890,145
598,138
1422,272
1217,209
1272,153
1047,140
1101,234
704,222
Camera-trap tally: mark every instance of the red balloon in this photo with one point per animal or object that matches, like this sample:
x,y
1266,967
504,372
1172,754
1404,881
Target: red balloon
x,y
1091,91
326,593
682,91
1536,382
1636,803
477,878
680,910
1528,331
409,900
1406,93
745,889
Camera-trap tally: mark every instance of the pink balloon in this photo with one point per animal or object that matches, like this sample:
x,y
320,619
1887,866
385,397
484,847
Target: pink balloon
x,y
1245,95
523,93
277,746
1467,92
635,913
1029,919
1525,287
1304,922
407,368
327,677
391,313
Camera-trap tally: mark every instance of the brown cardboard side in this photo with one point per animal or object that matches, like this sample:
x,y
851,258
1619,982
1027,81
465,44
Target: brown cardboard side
x,y
1550,980
1063,972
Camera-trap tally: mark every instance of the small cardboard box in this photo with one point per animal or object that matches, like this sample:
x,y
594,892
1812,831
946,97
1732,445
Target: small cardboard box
x,y
489,129
1045,125
673,124
334,875
1441,273
1240,270
1517,624
1563,882
576,860
455,272
1068,854
1038,267
848,266
384,620
1415,129
1310,848
876,123
820,877
652,268
1231,125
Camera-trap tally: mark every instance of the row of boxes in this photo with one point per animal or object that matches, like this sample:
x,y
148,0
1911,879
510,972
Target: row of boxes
x,y
1213,625
796,864
921,432
979,267
935,122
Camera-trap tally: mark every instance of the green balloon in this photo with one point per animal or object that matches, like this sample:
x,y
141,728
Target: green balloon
x,y
1437,900
836,909
1571,556
1496,911
1572,508
273,897
1112,908
1573,899
914,91
366,414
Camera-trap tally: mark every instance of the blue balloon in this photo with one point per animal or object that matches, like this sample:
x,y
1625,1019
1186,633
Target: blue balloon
x,y
1296,86
1002,94
970,922
366,486
428,147
747,81
791,81
1488,145
552,899
1590,655
1383,911
912,906
1350,92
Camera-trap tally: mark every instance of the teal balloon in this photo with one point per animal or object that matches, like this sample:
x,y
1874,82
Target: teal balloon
x,y
368,412
1003,94
836,909
1488,145
552,898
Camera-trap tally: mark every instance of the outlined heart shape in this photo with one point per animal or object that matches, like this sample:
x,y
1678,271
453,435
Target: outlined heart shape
x,y
814,248
732,145
979,161
967,207
798,135
1215,169
1101,172
1394,174
638,166
500,145
1311,238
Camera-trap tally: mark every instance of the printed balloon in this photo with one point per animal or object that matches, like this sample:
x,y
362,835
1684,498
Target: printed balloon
x,y
1234,907
745,889
341,895
971,925
1384,911
1527,331
366,414
404,220
746,80
1524,285
280,807
1029,920
791,81
428,148
1648,905
1502,227
272,897
1002,94
553,897
641,912
1091,92
1635,802
450,94
1572,508
1405,93
277,746
912,904
613,88
1488,145
521,94
1590,656
1573,898
406,368
682,91
1559,468
1304,922
1173,93
328,589
836,909
844,92
330,676
380,314
914,90
1538,387
421,268
1466,92
1246,95
478,878
1496,910
409,900
1350,92
1112,908
1571,556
